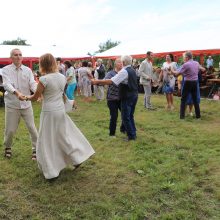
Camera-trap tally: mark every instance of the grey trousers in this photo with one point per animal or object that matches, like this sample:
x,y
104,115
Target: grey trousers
x,y
12,119
99,92
147,96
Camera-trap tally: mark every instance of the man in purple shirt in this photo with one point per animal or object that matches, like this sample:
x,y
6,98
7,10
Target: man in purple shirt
x,y
189,70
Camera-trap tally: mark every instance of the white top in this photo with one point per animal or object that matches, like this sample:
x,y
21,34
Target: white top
x,y
121,77
71,73
96,74
166,76
209,62
21,79
84,72
53,93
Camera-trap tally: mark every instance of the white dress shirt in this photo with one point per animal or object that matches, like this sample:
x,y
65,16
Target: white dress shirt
x,y
121,77
21,79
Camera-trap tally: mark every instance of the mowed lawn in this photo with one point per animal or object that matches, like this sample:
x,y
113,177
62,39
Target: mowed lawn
x,y
172,170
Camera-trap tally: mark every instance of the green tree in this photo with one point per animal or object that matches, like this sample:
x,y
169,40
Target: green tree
x,y
18,41
107,45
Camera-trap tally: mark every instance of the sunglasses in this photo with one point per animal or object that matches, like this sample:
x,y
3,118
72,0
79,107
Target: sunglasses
x,y
17,54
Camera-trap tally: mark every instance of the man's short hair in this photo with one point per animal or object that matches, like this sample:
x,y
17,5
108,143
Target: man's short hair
x,y
148,53
58,59
188,54
126,60
12,51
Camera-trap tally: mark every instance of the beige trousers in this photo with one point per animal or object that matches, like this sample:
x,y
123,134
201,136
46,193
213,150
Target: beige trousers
x,y
12,119
99,92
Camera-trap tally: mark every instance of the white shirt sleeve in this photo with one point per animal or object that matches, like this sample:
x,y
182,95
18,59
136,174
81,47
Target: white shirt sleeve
x,y
121,77
7,82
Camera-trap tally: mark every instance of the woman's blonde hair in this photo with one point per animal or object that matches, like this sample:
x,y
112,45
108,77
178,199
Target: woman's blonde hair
x,y
48,64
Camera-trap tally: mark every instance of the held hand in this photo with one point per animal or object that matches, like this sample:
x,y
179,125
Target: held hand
x,y
28,98
93,81
40,99
22,97
19,95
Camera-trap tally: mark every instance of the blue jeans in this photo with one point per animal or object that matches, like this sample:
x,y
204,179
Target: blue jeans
x,y
127,115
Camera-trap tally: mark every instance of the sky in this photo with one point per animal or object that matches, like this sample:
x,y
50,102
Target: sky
x,y
83,24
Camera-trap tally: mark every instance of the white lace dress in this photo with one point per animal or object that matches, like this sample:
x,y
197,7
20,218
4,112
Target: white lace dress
x,y
60,142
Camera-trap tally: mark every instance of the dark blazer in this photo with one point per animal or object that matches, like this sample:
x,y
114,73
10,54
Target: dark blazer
x,y
101,72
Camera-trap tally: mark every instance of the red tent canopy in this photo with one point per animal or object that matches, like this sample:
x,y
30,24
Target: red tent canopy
x,y
176,54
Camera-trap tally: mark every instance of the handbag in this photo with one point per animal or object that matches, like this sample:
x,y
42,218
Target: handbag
x,y
68,104
165,87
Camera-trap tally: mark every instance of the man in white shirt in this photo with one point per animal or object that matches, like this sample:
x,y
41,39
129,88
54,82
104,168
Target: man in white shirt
x,y
209,62
126,79
18,80
146,73
210,65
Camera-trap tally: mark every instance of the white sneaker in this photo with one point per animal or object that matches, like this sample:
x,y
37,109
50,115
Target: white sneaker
x,y
191,114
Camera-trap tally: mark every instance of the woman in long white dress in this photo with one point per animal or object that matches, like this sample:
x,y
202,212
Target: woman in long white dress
x,y
60,142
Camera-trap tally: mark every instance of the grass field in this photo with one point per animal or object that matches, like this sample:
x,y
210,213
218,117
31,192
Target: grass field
x,y
171,171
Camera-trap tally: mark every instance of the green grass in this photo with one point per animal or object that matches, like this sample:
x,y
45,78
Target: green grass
x,y
170,172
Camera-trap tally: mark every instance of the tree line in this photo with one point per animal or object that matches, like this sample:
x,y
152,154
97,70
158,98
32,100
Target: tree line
x,y
102,46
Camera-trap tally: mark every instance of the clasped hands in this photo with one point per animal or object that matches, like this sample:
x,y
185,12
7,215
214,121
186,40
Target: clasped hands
x,y
22,97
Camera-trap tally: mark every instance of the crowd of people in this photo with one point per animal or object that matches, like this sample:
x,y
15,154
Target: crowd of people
x,y
59,142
